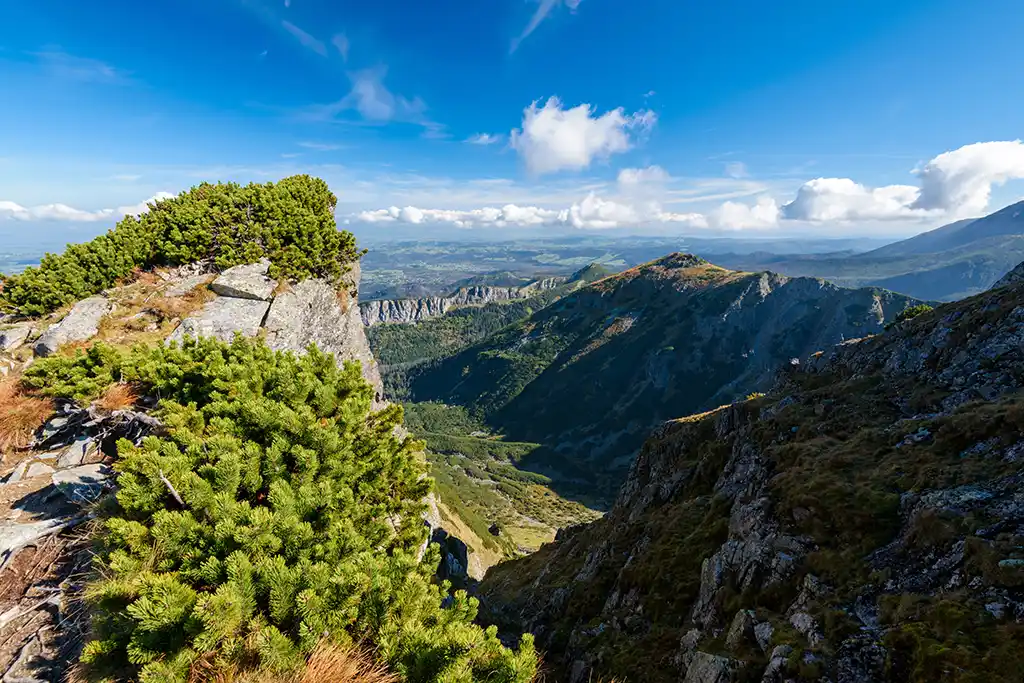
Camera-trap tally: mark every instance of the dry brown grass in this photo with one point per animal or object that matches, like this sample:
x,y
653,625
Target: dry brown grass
x,y
117,397
20,415
328,664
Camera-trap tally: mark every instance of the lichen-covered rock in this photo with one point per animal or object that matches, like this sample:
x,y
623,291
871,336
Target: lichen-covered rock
x,y
315,312
14,336
248,281
80,324
222,318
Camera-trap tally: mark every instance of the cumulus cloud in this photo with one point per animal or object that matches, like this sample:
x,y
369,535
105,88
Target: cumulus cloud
x,y
953,184
63,212
554,139
484,139
961,181
739,216
841,199
306,40
544,8
506,216
637,178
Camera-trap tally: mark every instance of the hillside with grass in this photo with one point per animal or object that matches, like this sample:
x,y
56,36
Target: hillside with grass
x,y
591,374
863,520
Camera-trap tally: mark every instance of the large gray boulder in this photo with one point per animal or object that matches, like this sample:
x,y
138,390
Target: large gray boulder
x,y
221,318
14,336
246,282
80,324
314,312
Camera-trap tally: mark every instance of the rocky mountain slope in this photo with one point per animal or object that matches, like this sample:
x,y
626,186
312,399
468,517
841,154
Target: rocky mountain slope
x,y
417,310
863,522
945,264
591,374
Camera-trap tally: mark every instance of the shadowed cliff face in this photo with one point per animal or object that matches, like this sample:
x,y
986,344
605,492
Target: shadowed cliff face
x,y
591,374
862,522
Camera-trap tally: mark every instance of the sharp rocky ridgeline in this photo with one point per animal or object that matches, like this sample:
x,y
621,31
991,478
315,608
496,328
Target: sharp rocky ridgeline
x,y
862,522
418,310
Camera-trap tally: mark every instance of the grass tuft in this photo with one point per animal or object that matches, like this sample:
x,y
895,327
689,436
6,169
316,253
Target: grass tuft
x,y
20,415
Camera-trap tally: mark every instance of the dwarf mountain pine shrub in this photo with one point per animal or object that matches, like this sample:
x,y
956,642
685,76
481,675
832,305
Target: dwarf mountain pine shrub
x,y
290,222
274,511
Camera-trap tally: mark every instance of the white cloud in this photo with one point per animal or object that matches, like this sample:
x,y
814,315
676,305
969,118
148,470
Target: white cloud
x,y
544,8
953,184
841,199
485,139
736,169
63,212
375,103
506,216
635,178
320,146
341,44
739,216
553,139
306,40
961,181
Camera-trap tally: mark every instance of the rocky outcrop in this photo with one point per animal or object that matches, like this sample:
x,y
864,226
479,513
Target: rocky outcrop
x,y
861,523
80,324
308,312
247,281
416,310
1015,275
15,335
315,312
45,502
222,318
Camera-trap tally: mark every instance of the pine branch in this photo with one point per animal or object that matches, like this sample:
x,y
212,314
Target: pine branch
x,y
170,487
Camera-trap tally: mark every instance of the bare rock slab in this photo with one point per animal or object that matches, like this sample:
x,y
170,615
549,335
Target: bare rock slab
x,y
14,336
314,312
221,318
246,282
186,284
80,324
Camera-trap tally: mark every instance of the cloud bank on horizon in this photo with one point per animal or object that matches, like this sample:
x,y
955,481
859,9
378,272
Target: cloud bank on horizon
x,y
955,184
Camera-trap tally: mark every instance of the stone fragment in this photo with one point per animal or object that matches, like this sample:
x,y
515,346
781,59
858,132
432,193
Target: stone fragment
x,y
249,281
80,324
708,668
82,484
14,336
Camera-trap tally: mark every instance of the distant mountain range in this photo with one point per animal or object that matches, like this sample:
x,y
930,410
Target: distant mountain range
x,y
945,264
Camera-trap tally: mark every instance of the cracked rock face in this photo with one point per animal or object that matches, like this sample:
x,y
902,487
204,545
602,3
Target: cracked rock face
x,y
248,281
222,317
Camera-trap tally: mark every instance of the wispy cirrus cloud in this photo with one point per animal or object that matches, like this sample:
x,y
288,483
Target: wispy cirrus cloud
x,y
544,9
341,44
83,69
485,139
371,99
305,39
320,146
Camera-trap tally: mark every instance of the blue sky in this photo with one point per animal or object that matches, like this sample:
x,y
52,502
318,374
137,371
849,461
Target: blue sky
x,y
737,116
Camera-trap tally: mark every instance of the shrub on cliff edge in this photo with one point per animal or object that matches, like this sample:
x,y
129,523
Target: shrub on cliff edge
x,y
290,222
